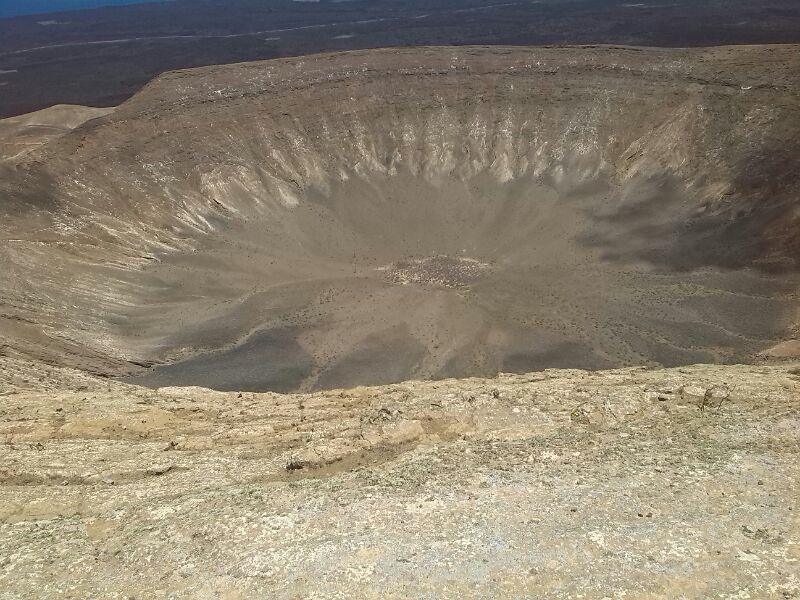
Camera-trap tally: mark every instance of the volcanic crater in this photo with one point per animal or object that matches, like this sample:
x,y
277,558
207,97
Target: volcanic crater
x,y
369,217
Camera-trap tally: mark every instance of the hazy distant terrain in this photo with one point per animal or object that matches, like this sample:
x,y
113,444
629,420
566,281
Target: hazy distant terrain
x,y
101,57
13,8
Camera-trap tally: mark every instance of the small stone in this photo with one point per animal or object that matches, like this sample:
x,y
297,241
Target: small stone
x,y
160,469
693,392
580,415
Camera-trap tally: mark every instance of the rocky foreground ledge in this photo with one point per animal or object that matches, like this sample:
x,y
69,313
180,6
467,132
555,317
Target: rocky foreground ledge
x,y
679,483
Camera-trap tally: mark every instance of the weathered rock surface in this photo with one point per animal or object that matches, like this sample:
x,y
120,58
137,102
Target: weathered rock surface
x,y
632,483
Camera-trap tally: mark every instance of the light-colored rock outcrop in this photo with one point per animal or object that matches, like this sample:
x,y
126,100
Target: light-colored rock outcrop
x,y
634,483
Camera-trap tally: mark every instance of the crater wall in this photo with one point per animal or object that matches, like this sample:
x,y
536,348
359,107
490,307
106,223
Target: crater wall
x,y
367,217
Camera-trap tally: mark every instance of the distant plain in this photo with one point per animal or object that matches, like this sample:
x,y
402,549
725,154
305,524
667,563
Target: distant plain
x,y
101,57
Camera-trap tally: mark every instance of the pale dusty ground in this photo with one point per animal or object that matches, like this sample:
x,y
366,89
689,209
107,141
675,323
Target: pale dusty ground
x,y
679,483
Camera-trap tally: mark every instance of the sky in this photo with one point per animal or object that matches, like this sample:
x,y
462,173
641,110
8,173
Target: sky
x,y
10,8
